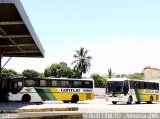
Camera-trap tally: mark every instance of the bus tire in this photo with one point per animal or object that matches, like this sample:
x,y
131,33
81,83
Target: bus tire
x,y
26,98
138,102
74,99
151,100
114,102
130,99
66,101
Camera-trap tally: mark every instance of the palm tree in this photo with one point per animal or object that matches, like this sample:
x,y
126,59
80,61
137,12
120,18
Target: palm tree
x,y
110,73
82,62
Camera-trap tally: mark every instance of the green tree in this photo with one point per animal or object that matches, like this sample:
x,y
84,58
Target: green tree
x,y
139,76
120,75
47,72
99,81
8,73
31,73
82,62
59,70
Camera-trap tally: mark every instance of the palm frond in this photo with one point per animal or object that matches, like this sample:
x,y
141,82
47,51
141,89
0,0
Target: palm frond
x,y
82,62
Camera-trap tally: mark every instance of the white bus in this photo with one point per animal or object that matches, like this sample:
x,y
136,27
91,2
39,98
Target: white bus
x,y
42,89
127,90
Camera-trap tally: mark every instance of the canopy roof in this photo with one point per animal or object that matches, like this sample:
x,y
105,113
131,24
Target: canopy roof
x,y
17,36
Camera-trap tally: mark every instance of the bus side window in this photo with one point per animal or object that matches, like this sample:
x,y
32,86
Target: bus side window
x,y
141,85
58,83
64,83
70,84
36,83
145,85
54,83
29,83
131,84
148,86
152,86
137,84
77,84
157,86
88,84
44,83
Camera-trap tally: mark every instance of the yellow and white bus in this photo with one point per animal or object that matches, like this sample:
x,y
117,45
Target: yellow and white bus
x,y
43,89
128,90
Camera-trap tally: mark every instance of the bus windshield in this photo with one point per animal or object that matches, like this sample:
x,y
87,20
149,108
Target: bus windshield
x,y
114,87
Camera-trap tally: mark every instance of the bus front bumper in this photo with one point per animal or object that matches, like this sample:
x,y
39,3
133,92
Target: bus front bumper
x,y
116,99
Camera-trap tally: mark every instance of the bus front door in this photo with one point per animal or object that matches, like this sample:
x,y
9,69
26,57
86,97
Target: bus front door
x,y
125,87
14,87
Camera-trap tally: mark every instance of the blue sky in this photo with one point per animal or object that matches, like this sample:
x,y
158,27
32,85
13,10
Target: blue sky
x,y
119,34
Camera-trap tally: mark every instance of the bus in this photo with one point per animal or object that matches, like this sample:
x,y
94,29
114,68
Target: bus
x,y
43,89
131,90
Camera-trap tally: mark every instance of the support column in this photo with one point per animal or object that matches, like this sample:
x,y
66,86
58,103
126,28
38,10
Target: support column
x,y
0,66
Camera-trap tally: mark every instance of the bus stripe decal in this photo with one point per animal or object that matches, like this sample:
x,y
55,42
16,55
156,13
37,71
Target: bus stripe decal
x,y
42,94
49,94
137,94
141,94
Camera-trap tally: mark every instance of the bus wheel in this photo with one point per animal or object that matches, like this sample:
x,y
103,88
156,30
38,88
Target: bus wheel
x,y
129,100
151,100
114,102
66,101
75,99
138,102
26,98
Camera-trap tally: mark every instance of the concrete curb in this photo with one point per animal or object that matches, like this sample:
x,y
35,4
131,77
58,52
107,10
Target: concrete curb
x,y
69,116
42,115
40,110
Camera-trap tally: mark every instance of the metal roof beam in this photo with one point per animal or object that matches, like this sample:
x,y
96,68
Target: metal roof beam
x,y
17,52
9,38
15,36
17,45
11,22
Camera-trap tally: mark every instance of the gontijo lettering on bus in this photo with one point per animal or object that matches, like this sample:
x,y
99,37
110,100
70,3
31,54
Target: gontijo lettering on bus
x,y
70,90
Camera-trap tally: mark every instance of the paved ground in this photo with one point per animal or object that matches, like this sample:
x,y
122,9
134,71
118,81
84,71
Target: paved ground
x,y
100,106
95,106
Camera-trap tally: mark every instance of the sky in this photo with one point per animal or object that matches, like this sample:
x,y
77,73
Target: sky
x,y
123,35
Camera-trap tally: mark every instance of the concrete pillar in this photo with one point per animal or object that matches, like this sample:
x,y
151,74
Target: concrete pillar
x,y
0,65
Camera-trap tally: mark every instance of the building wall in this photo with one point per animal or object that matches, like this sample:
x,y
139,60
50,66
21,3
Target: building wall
x,y
151,73
99,91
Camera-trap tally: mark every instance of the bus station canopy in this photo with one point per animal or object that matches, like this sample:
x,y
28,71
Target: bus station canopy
x,y
17,36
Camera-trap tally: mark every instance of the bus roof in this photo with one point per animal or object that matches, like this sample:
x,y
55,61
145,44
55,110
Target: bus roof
x,y
51,78
123,79
68,79
118,79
